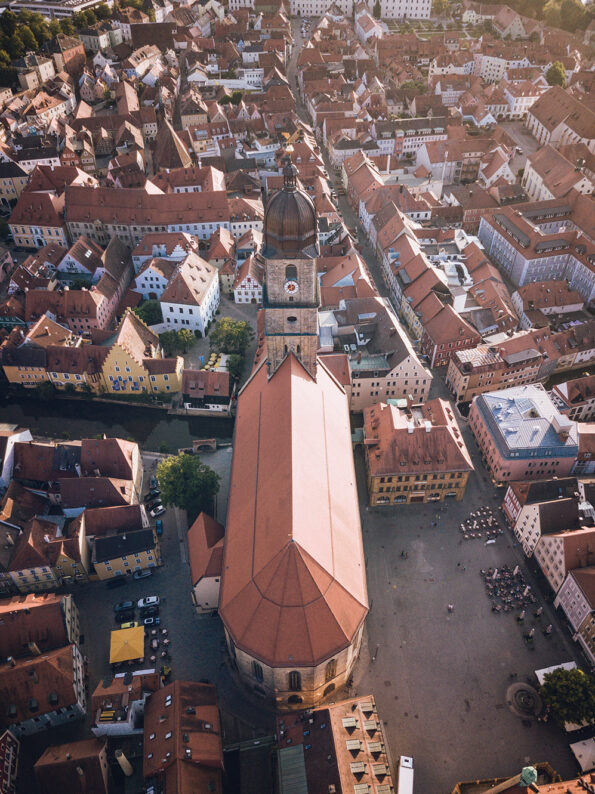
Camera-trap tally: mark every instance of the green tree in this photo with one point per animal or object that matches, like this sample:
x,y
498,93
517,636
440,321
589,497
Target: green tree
x,y
186,339
45,391
236,97
15,46
169,342
231,336
376,10
54,27
150,312
188,483
571,696
67,27
91,17
102,11
225,100
235,365
556,74
29,40
439,7
8,23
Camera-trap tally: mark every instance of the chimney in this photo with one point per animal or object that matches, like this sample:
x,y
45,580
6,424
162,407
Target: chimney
x,y
428,426
410,427
34,648
10,661
68,756
125,764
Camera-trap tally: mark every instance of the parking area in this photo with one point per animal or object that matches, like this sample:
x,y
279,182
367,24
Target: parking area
x,y
440,677
194,645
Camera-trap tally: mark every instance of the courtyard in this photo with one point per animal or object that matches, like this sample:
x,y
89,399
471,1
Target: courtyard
x,y
440,678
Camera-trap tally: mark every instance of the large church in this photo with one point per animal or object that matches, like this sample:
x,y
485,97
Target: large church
x,y
293,591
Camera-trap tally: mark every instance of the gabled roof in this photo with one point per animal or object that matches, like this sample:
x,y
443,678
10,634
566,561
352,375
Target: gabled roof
x,y
34,680
293,589
169,150
205,548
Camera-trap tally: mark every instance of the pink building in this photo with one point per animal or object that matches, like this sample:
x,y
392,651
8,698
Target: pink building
x,y
522,435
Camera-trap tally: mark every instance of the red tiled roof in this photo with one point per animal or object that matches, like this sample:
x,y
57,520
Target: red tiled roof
x,y
205,547
294,589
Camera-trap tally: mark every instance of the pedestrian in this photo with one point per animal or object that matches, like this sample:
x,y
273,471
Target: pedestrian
x,y
451,608
403,553
458,564
464,567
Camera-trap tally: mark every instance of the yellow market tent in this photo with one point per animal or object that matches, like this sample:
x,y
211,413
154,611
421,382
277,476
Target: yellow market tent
x,y
127,644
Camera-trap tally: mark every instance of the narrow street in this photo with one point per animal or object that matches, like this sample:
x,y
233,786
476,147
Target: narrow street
x,y
425,667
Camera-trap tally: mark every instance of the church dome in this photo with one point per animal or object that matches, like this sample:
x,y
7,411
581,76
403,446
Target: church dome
x,y
290,225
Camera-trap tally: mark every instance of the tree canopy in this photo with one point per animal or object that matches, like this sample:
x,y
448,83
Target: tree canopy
x,y
235,366
571,696
186,339
150,312
556,74
188,483
231,336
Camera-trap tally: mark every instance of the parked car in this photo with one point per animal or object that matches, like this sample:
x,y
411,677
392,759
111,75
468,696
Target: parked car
x,y
148,601
117,581
143,574
151,621
153,494
155,503
157,511
154,482
159,527
149,612
132,625
124,617
124,606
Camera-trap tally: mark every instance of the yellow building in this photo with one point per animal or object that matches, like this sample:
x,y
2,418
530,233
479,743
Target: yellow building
x,y
125,553
38,220
23,353
135,361
43,559
416,456
129,362
13,179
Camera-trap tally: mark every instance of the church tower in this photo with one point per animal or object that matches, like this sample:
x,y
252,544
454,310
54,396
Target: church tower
x,y
291,294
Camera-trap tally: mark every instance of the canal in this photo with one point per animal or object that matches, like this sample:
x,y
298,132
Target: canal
x,y
151,428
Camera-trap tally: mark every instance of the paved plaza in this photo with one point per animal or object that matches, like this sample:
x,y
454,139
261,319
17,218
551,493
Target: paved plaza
x,y
440,679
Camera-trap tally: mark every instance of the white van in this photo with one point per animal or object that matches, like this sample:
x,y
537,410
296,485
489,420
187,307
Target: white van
x,y
405,781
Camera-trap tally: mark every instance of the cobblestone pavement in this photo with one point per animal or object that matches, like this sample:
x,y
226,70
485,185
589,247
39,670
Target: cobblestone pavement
x,y
439,678
227,308
197,643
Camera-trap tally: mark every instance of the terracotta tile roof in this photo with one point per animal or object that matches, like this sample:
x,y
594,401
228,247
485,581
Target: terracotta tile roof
x,y
338,365
202,383
53,179
118,692
103,520
19,686
427,441
19,505
43,462
186,747
134,336
169,151
252,266
448,326
96,492
41,209
161,366
137,207
293,590
37,618
40,545
168,239
548,294
190,282
205,548
112,457
88,359
62,767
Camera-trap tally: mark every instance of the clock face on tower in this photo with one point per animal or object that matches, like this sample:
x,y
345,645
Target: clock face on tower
x,y
291,287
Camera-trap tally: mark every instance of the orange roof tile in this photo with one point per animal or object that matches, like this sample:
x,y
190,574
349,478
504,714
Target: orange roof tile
x,y
294,588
